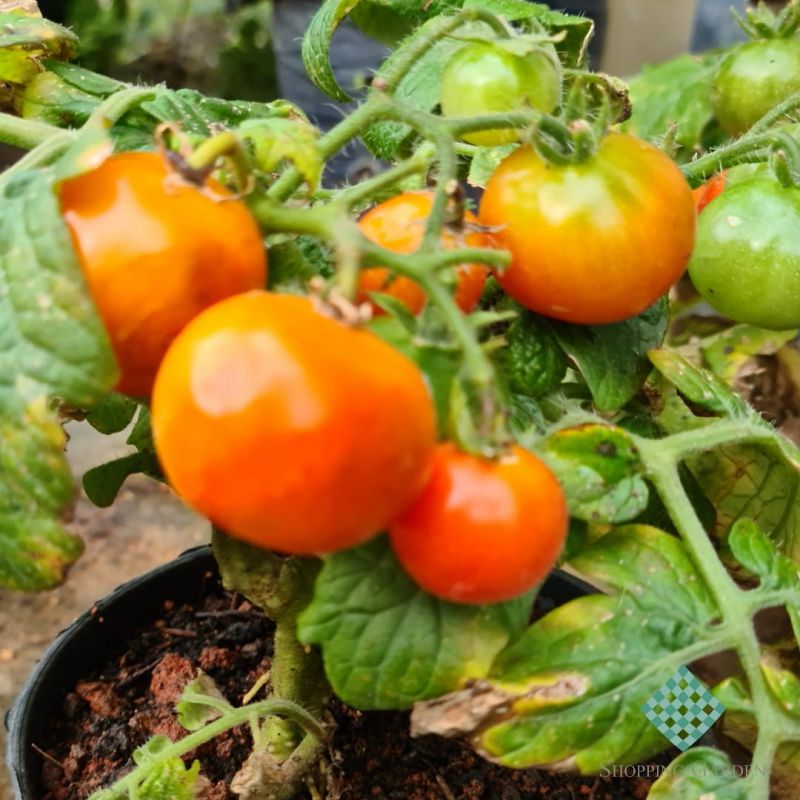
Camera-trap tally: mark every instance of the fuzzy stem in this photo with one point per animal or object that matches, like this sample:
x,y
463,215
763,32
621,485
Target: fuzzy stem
x,y
25,133
41,156
116,106
436,31
732,602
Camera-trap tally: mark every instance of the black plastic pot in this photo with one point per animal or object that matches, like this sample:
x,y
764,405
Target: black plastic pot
x,y
85,644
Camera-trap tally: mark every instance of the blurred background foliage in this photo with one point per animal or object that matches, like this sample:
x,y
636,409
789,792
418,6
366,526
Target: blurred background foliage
x,y
220,47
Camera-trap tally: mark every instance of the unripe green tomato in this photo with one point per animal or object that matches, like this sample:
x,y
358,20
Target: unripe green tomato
x,y
484,78
746,261
752,79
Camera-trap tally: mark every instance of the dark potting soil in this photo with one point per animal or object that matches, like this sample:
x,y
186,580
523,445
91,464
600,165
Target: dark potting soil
x,y
371,756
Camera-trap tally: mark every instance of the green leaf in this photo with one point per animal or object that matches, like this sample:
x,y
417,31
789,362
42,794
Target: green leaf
x,y
533,362
700,773
102,484
698,385
295,140
677,92
84,79
388,21
651,565
574,31
599,469
290,269
170,780
728,351
52,341
759,556
421,85
567,694
200,115
316,46
748,481
386,643
613,358
25,39
485,162
783,684
49,99
35,487
112,414
201,702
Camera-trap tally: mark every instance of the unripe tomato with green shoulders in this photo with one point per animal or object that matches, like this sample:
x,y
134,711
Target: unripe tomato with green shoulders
x,y
592,242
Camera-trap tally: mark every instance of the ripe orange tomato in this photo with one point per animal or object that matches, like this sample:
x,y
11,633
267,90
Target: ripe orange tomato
x,y
710,190
593,242
288,429
398,224
482,531
156,252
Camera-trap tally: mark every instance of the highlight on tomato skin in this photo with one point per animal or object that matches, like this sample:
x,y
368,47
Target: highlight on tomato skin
x,y
398,224
289,429
482,531
594,242
156,251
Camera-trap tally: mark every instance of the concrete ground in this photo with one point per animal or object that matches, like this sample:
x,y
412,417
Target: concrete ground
x,y
144,528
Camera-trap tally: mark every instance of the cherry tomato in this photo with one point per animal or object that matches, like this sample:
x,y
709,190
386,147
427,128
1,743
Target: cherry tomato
x,y
482,531
288,429
485,78
747,260
155,252
398,224
593,242
713,188
752,79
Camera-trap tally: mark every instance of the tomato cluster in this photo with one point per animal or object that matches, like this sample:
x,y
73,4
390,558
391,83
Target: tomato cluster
x,y
294,428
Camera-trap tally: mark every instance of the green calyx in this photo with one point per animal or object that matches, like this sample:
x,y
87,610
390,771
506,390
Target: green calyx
x,y
763,23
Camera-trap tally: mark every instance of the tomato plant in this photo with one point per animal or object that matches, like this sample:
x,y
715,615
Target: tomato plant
x,y
398,224
325,432
156,251
486,78
482,531
393,481
626,211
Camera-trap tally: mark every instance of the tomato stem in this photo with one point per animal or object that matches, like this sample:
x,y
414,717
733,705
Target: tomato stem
x,y
42,155
25,133
232,719
116,106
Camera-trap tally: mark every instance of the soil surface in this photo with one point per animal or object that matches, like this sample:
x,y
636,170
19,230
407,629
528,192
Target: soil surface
x,y
147,527
370,755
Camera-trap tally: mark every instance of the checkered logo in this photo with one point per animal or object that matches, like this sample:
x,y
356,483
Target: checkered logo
x,y
683,709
